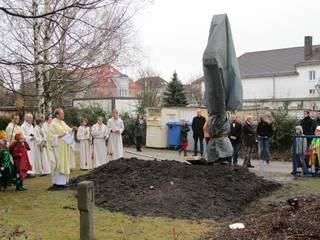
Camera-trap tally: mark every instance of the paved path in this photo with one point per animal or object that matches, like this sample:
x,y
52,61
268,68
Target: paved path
x,y
283,168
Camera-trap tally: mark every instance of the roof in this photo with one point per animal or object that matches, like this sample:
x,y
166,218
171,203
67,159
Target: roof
x,y
134,85
155,80
278,62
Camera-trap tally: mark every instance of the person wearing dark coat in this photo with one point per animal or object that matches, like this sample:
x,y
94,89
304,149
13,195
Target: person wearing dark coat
x,y
265,132
198,134
184,129
139,131
235,137
317,121
249,139
308,124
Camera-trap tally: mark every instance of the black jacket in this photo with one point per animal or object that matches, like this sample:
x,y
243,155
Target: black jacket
x,y
308,125
236,132
264,129
139,128
197,126
248,134
184,129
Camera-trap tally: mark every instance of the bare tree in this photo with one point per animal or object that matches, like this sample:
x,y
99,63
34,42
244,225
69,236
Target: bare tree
x,y
194,91
58,41
152,87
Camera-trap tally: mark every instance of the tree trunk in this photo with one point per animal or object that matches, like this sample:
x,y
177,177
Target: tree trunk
x,y
36,47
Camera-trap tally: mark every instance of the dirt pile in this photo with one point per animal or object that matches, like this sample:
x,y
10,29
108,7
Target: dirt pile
x,y
298,219
175,189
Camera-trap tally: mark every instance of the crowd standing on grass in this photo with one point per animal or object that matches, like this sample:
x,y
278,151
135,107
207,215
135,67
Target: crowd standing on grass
x,y
47,146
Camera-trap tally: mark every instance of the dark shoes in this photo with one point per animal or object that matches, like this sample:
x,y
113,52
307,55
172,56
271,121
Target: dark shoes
x,y
250,166
21,188
56,187
30,175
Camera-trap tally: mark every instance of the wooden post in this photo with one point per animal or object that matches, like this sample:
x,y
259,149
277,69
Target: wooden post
x,y
85,206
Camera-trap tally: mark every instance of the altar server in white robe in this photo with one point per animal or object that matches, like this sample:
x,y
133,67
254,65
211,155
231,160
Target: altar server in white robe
x,y
46,124
28,131
115,128
99,137
43,166
83,135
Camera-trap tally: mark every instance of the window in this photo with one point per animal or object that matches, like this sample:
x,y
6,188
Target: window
x,y
312,75
312,91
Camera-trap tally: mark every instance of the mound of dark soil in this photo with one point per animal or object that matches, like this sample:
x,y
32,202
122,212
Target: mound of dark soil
x,y
298,219
175,189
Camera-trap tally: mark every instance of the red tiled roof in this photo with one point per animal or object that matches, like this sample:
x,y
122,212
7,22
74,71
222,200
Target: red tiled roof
x,y
134,85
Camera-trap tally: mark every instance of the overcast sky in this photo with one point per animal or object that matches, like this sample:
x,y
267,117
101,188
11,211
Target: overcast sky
x,y
173,33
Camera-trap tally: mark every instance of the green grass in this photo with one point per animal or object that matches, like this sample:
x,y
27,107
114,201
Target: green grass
x,y
298,187
41,213
53,215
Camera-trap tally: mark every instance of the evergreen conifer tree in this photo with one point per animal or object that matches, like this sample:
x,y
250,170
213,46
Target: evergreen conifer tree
x,y
174,96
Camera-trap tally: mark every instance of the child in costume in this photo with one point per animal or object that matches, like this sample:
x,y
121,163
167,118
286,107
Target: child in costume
x,y
7,169
315,151
18,151
184,129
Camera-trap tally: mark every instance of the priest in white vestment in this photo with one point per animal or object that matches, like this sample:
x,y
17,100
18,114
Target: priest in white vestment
x,y
41,155
28,132
59,148
115,128
99,137
83,135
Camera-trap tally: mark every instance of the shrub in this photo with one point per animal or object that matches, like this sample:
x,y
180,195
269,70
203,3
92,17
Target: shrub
x,y
4,121
74,115
284,128
128,133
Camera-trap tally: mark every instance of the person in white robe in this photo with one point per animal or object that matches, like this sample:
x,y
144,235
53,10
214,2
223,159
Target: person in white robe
x,y
115,128
99,137
41,155
13,128
46,124
83,135
59,147
72,159
28,132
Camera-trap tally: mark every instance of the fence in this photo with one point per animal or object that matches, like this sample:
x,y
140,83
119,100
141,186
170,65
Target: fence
x,y
305,155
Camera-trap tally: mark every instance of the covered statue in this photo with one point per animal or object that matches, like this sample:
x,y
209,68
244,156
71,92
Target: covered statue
x,y
223,86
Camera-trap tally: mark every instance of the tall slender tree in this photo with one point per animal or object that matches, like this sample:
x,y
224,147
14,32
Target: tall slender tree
x,y
174,96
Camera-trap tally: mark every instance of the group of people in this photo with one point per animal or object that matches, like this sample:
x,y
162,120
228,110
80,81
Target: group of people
x,y
247,133
48,148
307,147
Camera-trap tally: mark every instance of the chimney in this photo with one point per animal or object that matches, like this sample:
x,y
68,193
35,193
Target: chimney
x,y
307,47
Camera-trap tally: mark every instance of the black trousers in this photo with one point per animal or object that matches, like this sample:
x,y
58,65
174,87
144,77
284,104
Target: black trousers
x,y
138,142
196,139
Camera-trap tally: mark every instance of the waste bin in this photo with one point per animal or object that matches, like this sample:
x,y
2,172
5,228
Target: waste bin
x,y
173,134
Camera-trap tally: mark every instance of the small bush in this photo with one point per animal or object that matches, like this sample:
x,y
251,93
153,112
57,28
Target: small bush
x,y
284,128
128,133
4,121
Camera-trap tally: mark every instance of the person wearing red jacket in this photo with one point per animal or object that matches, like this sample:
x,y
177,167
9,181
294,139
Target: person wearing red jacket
x,y
19,151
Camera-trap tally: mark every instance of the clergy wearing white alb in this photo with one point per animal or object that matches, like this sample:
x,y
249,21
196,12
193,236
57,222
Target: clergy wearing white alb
x,y
59,148
43,166
99,137
83,135
115,128
28,131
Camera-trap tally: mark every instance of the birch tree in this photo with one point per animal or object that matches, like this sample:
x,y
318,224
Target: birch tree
x,y
57,41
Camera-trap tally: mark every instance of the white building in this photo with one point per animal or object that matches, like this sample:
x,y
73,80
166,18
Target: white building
x,y
289,76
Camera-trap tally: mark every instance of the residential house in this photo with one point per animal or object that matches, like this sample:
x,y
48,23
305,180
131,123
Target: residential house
x,y
280,78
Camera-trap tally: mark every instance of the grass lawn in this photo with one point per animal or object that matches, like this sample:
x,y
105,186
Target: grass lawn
x,y
44,214
53,215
